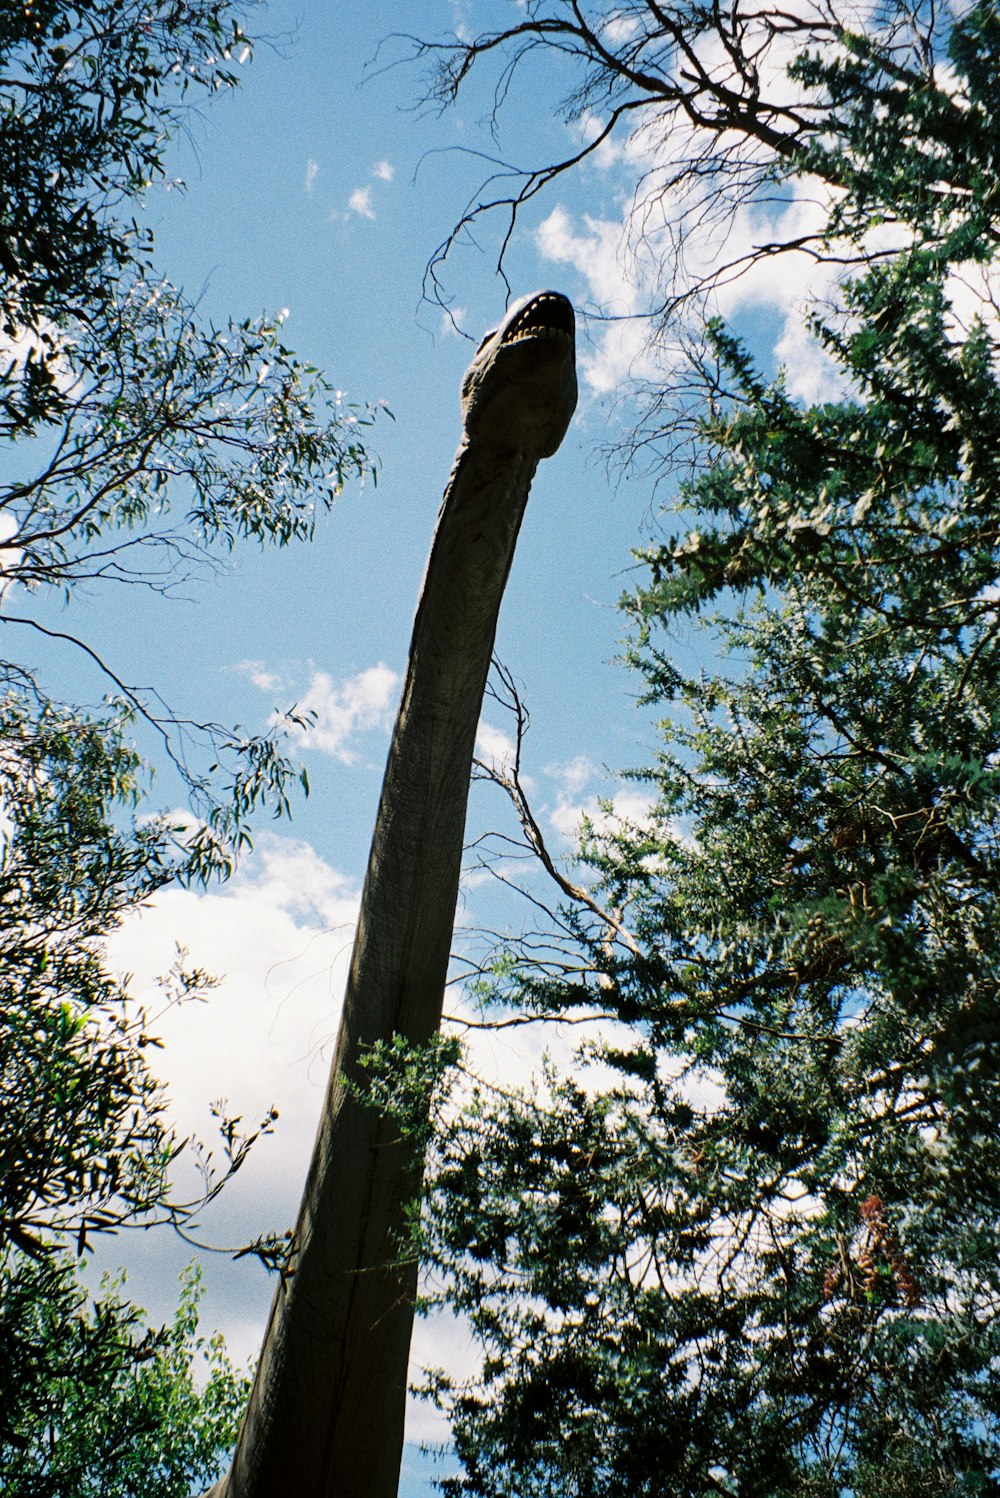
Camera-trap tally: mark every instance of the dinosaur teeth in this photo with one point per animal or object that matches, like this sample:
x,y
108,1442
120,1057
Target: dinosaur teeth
x,y
545,317
554,333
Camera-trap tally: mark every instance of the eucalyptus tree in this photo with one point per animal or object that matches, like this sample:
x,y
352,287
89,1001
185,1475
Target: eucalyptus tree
x,y
757,1251
137,444
138,440
115,1404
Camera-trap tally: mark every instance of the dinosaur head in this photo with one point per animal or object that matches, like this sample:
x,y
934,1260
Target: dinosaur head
x,y
520,390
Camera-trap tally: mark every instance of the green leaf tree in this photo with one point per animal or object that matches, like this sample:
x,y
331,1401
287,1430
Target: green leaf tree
x,y
757,1252
139,444
85,1139
90,96
115,1405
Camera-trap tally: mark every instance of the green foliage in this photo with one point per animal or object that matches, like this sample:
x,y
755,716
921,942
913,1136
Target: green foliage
x,y
229,423
139,443
947,191
85,1139
89,96
94,1401
407,1083
763,1258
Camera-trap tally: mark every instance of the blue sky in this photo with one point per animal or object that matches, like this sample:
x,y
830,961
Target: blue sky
x,y
319,188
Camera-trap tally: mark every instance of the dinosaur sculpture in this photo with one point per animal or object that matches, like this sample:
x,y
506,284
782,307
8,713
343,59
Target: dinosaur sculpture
x,y
325,1415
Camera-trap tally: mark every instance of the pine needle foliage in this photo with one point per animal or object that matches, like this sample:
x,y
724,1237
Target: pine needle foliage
x,y
758,1251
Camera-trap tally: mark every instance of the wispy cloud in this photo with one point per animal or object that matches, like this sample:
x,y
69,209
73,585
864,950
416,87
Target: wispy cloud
x,y
595,249
312,172
494,747
339,713
451,322
360,200
582,791
572,776
257,673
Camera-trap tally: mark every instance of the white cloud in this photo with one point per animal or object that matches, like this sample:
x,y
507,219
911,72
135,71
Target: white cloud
x,y
574,774
362,703
626,806
312,172
10,556
494,747
598,255
573,801
619,28
614,148
973,292
360,202
279,936
604,253
257,673
810,373
452,319
459,21
571,804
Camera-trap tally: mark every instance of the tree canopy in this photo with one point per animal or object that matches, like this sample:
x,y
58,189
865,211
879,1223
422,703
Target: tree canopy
x,y
755,1250
94,1400
139,442
89,97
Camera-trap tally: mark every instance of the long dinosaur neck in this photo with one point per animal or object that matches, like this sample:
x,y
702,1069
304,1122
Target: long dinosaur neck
x,y
325,1416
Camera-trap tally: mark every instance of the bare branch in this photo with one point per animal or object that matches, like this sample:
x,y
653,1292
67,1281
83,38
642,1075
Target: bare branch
x,y
508,777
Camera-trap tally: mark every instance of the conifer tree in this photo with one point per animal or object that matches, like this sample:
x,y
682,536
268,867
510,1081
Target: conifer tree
x,y
765,1257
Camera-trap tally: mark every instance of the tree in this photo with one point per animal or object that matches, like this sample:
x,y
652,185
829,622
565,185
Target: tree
x,y
113,1404
762,1259
139,442
153,438
85,1139
90,96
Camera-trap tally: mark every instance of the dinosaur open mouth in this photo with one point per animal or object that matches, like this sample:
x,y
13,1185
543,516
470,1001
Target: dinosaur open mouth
x,y
548,315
